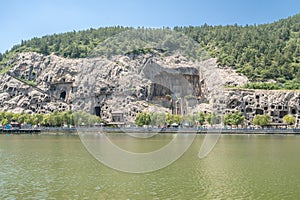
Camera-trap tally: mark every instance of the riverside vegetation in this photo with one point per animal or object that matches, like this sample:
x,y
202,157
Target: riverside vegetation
x,y
59,119
55,119
231,119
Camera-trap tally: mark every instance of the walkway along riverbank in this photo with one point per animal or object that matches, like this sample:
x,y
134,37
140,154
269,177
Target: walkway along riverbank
x,y
62,131
20,131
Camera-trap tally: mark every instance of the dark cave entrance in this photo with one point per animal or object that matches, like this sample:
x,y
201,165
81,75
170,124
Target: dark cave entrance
x,y
97,111
63,95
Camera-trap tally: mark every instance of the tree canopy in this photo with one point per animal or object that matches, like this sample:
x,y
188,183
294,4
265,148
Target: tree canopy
x,y
261,52
162,119
267,51
143,119
289,119
235,118
54,119
262,120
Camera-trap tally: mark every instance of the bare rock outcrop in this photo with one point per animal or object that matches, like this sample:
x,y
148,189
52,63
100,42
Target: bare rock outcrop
x,y
41,84
276,103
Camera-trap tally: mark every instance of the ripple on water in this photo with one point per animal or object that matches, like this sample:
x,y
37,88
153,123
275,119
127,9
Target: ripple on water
x,y
235,169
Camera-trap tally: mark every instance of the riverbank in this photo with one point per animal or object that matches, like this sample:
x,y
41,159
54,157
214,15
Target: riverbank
x,y
75,131
206,131
20,131
46,131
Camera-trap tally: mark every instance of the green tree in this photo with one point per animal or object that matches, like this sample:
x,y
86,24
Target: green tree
x,y
139,119
28,119
211,118
15,117
21,118
2,115
157,119
227,119
177,119
289,119
169,118
53,119
208,118
37,119
235,118
46,120
67,117
93,119
192,119
4,121
201,118
143,119
9,116
262,120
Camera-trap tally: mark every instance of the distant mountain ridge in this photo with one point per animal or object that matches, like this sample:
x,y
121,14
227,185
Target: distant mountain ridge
x,y
261,52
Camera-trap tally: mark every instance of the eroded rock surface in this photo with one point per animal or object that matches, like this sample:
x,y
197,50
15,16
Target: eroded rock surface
x,y
134,84
275,103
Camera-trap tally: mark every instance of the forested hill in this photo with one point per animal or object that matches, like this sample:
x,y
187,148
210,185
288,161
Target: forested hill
x,y
268,51
261,52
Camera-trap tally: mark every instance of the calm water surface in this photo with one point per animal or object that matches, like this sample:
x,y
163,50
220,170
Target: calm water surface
x,y
239,167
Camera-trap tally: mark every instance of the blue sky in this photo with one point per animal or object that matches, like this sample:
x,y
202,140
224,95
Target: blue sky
x,y
35,18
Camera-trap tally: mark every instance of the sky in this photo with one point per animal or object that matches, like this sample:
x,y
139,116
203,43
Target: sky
x,y
22,20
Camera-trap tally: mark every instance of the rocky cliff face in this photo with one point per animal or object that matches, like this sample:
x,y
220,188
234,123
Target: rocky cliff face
x,y
97,85
275,103
17,96
131,84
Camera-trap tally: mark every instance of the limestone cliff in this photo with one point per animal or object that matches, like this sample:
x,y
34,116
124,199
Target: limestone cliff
x,y
96,85
275,103
130,84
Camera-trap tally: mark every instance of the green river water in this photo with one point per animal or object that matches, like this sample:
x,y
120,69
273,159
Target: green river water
x,y
239,167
